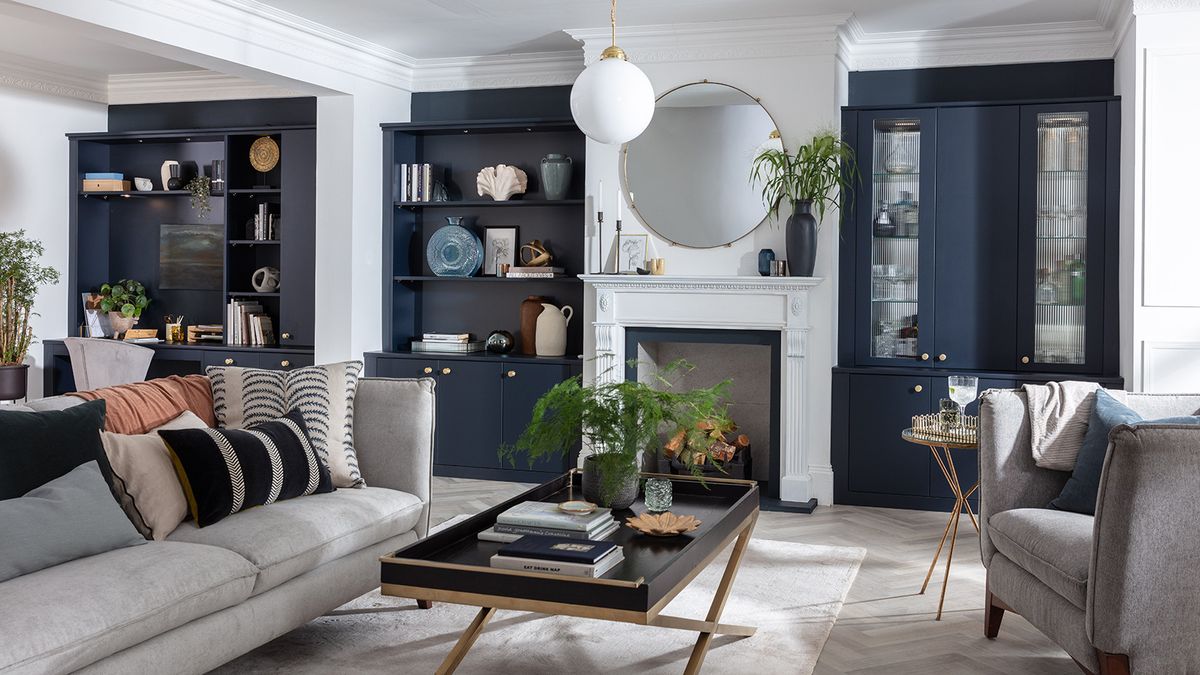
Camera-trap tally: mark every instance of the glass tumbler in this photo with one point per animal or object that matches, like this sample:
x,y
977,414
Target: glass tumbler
x,y
658,494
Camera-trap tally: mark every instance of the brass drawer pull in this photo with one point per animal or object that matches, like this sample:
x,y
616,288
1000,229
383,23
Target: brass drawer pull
x,y
229,362
924,357
918,389
941,357
445,371
284,363
428,370
285,336
511,373
1024,359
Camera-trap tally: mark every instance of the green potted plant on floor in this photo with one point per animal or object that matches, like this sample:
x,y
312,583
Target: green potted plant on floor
x,y
124,301
619,421
821,174
21,274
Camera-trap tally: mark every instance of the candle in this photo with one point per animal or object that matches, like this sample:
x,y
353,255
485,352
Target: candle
x,y
600,197
620,205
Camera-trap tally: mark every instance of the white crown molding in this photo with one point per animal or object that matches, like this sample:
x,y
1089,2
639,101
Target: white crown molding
x,y
495,72
1058,41
191,85
38,76
717,40
1163,6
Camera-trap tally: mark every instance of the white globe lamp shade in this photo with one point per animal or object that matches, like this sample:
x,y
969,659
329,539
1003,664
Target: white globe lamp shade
x,y
612,101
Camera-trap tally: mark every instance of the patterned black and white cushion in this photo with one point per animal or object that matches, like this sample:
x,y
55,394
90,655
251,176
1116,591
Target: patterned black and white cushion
x,y
224,471
243,397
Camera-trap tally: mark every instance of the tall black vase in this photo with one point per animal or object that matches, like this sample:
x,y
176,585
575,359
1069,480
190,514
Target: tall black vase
x,y
801,240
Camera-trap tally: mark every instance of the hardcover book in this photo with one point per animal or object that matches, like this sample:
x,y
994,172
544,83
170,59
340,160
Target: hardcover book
x,y
560,549
546,514
601,566
601,531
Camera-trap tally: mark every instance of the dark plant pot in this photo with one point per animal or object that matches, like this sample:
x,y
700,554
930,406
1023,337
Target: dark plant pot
x,y
801,240
13,382
624,495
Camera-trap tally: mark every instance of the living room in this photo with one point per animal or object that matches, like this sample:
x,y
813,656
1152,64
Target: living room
x,y
842,336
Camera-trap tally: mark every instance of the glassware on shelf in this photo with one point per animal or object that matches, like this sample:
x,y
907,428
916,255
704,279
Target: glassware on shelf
x,y
1046,294
896,149
963,389
883,225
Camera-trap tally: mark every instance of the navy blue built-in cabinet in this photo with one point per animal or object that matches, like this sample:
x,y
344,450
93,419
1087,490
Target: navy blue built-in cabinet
x,y
982,240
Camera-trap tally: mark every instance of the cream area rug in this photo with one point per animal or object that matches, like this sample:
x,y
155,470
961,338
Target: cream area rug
x,y
791,592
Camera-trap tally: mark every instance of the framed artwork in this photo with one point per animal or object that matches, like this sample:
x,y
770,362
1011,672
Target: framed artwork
x,y
191,257
633,252
500,247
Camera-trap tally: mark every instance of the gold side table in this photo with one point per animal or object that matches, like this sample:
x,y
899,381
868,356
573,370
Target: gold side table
x,y
941,454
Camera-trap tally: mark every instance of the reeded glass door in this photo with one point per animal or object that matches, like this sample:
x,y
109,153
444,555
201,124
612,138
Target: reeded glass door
x,y
897,219
1062,263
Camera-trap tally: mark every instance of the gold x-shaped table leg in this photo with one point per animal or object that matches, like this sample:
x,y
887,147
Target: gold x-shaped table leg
x,y
946,463
708,627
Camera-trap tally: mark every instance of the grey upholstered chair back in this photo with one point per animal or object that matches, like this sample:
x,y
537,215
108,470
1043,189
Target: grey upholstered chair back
x,y
97,363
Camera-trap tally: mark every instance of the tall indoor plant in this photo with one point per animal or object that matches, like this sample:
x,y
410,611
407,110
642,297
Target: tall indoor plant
x,y
21,274
821,174
619,420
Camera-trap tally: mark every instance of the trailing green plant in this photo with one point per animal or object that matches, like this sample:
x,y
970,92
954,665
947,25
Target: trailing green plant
x,y
620,420
200,188
125,296
21,274
823,171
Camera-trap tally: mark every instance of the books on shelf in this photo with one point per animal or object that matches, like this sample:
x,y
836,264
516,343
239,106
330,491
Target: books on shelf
x,y
548,515
266,225
446,337
447,347
205,332
558,555
535,272
249,325
416,183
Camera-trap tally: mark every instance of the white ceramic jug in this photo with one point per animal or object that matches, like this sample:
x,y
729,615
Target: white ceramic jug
x,y
551,334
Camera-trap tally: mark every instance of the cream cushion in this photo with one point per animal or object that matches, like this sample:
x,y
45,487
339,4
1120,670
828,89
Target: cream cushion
x,y
144,479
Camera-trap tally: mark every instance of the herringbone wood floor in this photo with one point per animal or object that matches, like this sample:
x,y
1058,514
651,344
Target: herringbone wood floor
x,y
885,627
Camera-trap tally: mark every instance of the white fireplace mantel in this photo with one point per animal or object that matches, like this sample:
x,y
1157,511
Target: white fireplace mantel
x,y
718,303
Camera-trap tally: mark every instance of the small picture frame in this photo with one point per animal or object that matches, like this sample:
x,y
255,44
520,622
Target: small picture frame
x,y
499,248
632,253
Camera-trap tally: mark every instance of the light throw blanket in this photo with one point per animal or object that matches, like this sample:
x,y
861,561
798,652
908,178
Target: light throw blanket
x,y
1058,420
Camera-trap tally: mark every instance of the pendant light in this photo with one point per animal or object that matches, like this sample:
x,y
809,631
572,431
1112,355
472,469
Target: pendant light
x,y
612,100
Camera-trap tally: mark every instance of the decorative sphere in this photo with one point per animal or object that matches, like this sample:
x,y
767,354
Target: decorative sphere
x,y
612,101
500,342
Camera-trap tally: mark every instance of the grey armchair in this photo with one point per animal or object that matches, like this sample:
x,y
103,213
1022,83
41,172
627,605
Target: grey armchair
x,y
97,363
1120,592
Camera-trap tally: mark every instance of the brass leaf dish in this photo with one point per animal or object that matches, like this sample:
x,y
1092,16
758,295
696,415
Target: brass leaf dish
x,y
665,524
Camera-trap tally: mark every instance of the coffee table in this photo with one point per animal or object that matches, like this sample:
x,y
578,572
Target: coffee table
x,y
453,566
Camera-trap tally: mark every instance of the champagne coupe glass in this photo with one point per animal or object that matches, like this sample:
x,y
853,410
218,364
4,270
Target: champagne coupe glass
x,y
962,390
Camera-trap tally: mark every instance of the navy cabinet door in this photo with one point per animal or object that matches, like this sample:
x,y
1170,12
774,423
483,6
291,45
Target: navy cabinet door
x,y
468,410
881,407
523,385
297,235
1061,266
975,305
897,150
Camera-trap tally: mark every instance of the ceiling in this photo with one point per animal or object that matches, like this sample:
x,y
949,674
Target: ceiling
x,y
425,29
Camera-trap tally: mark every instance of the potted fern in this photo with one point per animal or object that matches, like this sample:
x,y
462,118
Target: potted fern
x,y
821,174
620,421
21,274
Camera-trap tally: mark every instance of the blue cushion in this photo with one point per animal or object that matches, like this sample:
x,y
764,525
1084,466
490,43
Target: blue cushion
x,y
1079,494
70,517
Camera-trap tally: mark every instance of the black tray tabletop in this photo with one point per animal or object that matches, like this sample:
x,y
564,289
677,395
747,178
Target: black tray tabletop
x,y
455,560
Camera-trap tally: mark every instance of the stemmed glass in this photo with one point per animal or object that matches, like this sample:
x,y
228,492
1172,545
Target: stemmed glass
x,y
963,389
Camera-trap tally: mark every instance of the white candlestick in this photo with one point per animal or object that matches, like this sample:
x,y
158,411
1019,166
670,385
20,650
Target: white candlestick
x,y
620,205
600,197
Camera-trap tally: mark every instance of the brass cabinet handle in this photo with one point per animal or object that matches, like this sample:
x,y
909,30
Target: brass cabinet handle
x,y
284,363
941,357
445,371
229,362
428,370
285,336
1024,359
511,373
918,389
924,357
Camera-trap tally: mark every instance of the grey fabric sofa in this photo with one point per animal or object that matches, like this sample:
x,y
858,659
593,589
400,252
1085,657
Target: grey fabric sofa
x,y
1120,592
206,596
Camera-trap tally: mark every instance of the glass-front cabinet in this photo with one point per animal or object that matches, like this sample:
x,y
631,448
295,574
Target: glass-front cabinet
x,y
1062,238
896,202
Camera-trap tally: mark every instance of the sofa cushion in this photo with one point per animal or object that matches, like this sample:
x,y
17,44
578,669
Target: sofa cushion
x,y
139,407
1054,546
41,446
65,617
287,539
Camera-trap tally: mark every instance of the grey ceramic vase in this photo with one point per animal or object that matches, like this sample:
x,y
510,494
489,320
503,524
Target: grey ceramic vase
x,y
801,240
556,176
13,381
624,496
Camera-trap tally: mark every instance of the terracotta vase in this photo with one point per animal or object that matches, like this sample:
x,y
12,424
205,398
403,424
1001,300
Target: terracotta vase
x,y
531,307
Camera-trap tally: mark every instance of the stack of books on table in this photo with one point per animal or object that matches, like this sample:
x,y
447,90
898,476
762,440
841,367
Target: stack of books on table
x,y
535,272
545,519
447,342
555,555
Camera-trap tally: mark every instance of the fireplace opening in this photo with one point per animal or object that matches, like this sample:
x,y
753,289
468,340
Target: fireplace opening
x,y
749,358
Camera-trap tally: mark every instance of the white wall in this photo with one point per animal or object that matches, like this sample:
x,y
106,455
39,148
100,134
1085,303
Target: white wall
x,y
35,191
1160,302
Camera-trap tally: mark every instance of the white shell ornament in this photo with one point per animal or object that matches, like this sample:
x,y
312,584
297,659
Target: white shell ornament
x,y
501,182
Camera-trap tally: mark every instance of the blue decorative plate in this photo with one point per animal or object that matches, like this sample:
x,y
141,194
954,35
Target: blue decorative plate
x,y
454,251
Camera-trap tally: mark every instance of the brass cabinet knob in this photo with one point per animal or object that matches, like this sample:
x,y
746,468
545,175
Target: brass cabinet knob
x,y
924,357
445,371
428,370
285,336
284,363
511,373
229,362
1024,359
918,389
941,357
